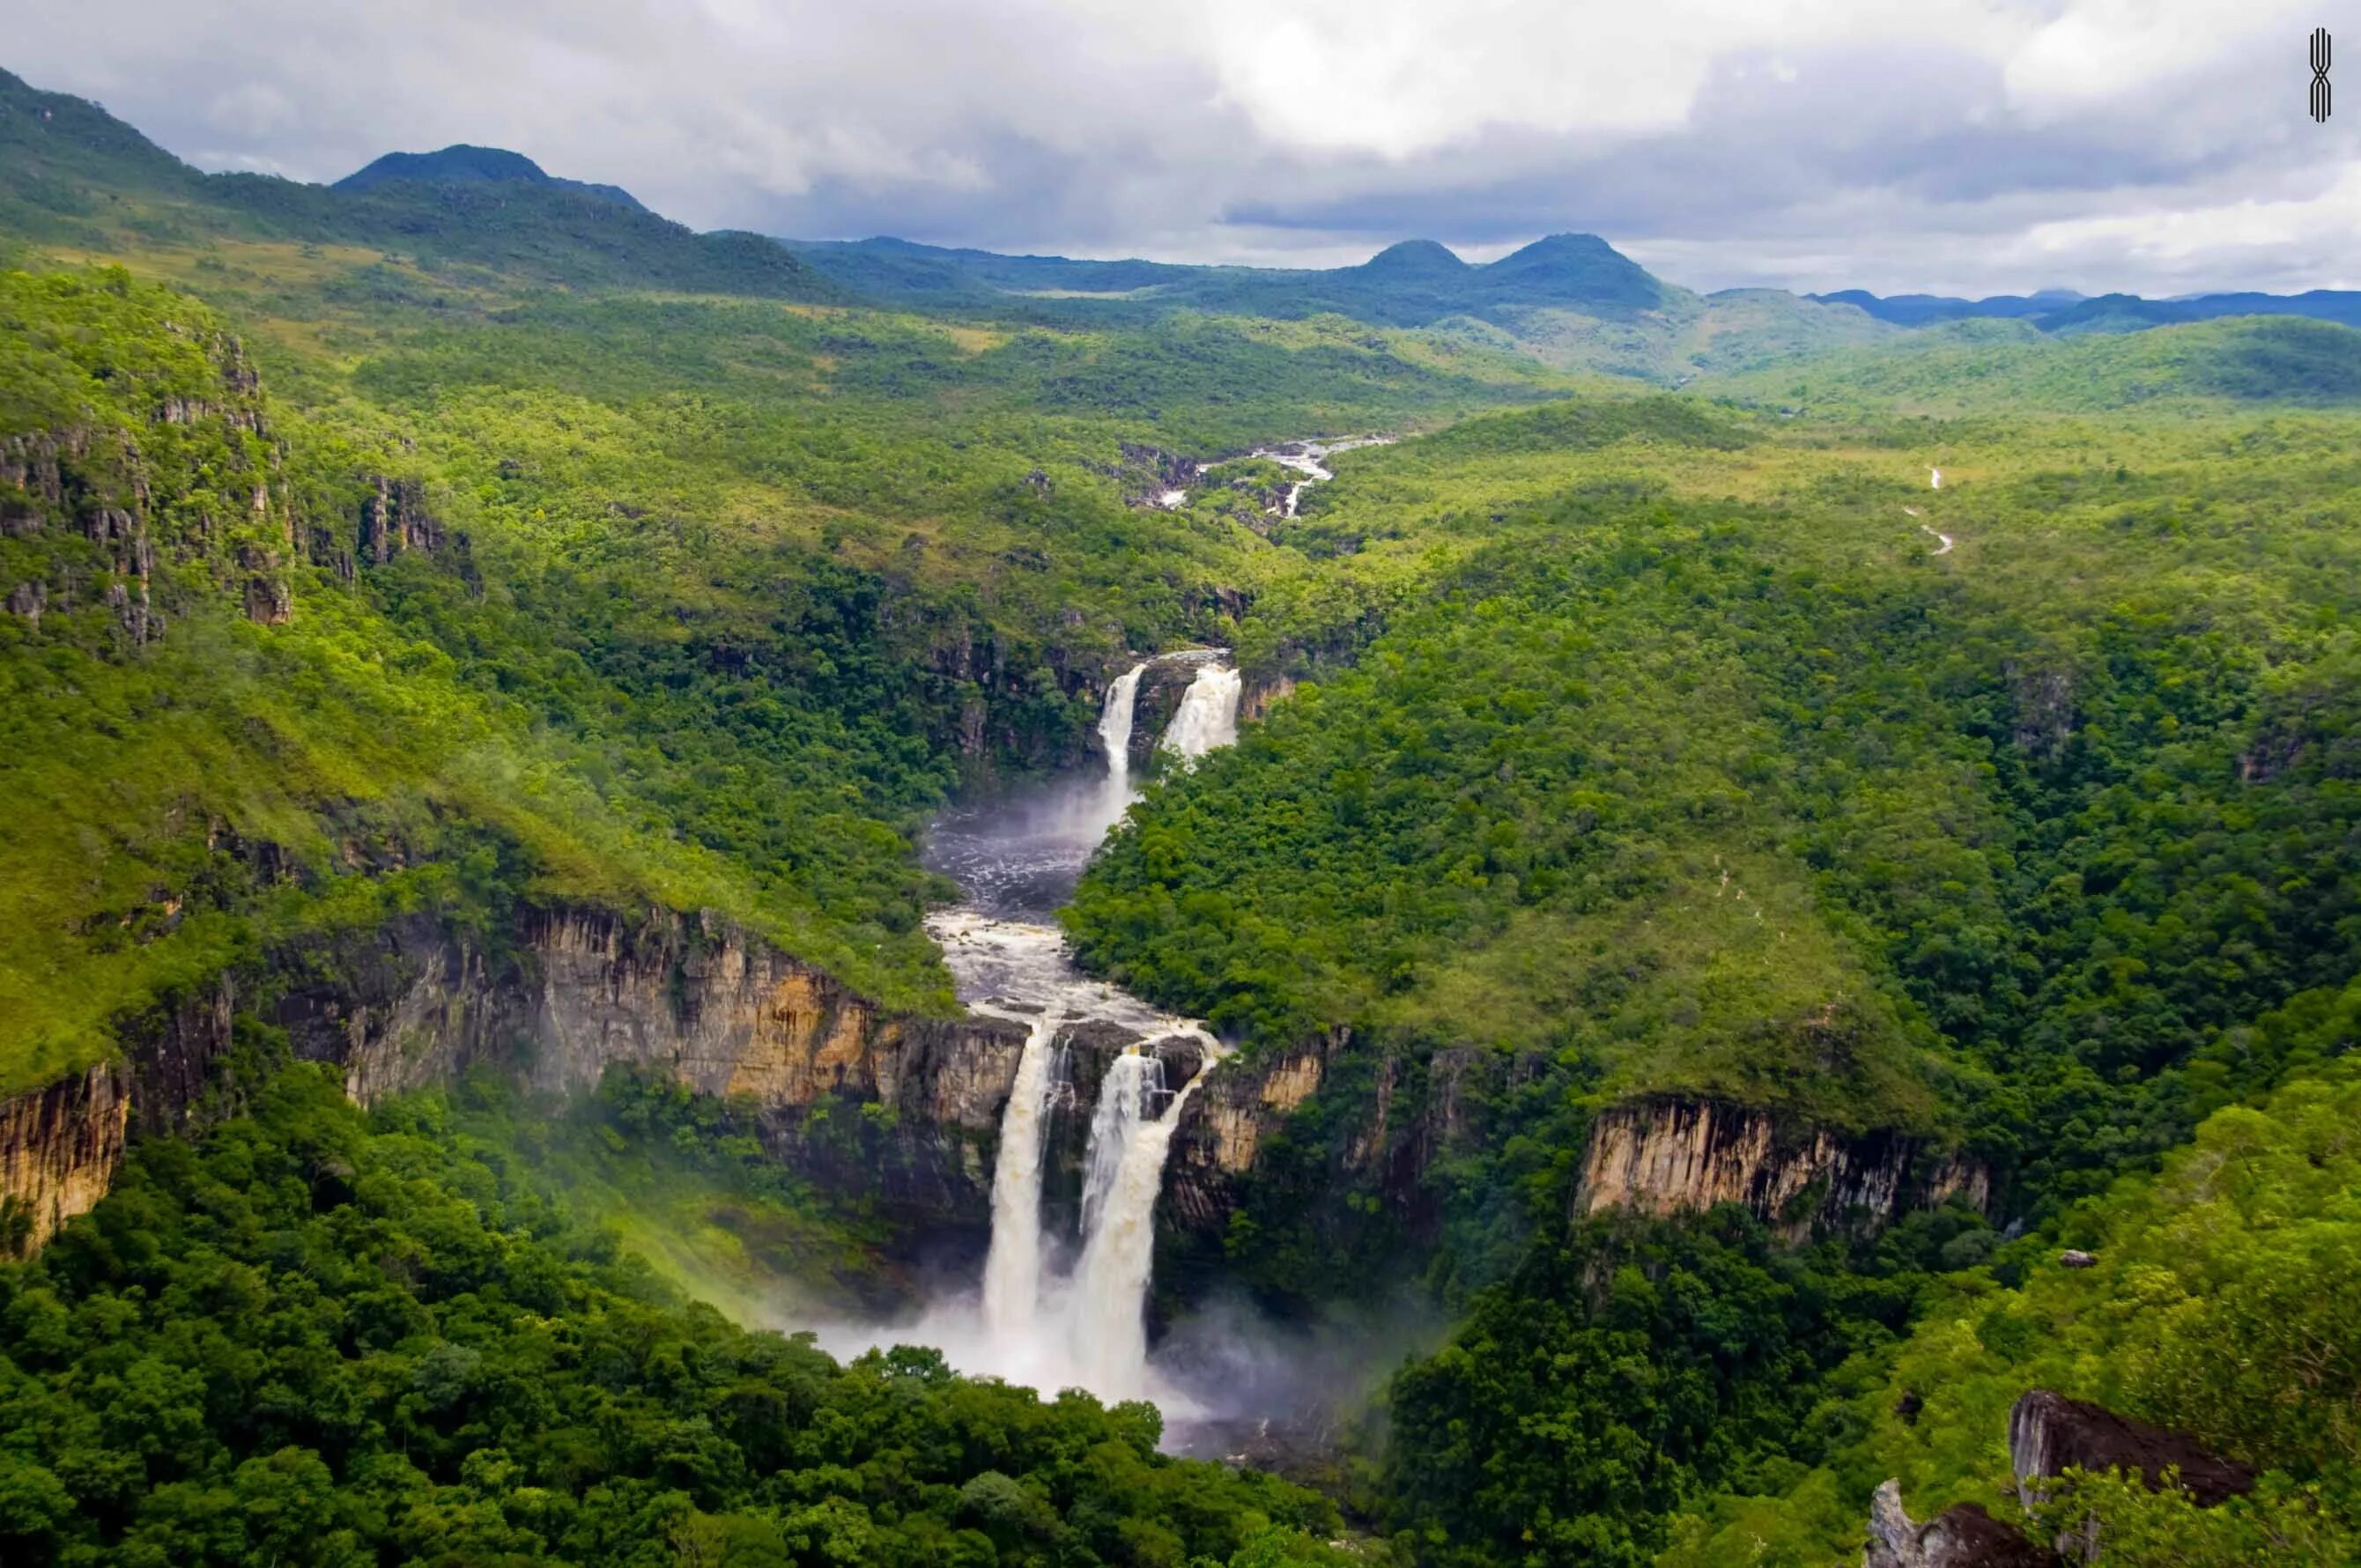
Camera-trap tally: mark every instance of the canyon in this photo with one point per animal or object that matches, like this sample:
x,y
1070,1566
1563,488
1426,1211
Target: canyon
x,y
576,990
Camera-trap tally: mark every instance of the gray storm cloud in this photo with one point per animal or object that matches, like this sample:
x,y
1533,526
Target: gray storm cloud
x,y
1958,144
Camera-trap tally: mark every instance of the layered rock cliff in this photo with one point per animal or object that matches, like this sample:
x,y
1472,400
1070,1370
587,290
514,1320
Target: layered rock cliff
x,y
1672,1157
58,1149
905,1109
1224,1126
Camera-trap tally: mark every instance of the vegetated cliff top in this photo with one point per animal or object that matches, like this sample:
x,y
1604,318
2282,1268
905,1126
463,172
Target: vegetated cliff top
x,y
462,164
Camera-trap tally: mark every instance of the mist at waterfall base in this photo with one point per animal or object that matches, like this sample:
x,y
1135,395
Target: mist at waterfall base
x,y
1065,1305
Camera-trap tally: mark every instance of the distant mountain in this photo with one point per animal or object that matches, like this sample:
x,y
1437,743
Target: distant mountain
x,y
73,175
462,165
2064,311
1414,283
1421,259
1571,300
1925,310
2103,360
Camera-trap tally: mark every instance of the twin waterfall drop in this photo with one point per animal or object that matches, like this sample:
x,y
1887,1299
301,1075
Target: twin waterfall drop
x,y
1044,1321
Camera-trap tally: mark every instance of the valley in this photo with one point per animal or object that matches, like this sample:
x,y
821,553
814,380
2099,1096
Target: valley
x,y
677,898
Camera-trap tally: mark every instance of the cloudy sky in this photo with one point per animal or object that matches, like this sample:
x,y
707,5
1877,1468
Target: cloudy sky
x,y
1959,146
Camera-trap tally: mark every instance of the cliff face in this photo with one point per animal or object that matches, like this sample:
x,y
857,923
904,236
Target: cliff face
x,y
1260,692
1668,1157
707,1006
903,1108
1224,1126
906,1110
59,1148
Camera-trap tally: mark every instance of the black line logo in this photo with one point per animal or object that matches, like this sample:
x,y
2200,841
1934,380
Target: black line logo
x,y
2320,75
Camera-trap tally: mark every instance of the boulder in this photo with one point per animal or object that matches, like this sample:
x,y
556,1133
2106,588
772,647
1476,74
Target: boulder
x,y
2050,1434
1961,1536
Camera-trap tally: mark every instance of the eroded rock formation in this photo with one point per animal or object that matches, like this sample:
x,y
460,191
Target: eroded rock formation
x,y
584,989
1961,1536
1672,1157
58,1150
1224,1126
2050,1434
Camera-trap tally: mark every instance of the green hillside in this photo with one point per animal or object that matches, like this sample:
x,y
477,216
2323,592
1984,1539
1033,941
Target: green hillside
x,y
1639,731
1990,366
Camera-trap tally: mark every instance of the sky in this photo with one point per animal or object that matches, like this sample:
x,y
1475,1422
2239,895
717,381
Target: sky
x,y
1972,146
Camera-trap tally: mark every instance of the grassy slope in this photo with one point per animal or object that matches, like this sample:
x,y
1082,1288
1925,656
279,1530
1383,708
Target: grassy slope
x,y
2171,575
1997,367
730,579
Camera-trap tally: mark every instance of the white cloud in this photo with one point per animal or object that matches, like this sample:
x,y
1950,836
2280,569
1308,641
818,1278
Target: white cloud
x,y
1819,143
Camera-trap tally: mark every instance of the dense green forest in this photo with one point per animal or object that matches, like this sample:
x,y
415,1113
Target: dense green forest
x,y
1658,791
319,1337
440,552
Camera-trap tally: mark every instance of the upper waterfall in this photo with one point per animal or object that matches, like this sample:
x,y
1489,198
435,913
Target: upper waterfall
x,y
1114,733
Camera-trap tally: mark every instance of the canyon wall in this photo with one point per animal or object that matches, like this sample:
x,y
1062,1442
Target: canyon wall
x,y
901,1107
59,1148
1675,1156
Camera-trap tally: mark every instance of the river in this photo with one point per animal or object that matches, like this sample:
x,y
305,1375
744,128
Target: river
x,y
1065,1305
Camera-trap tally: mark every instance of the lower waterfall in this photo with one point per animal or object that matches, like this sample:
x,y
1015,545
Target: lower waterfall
x,y
1035,1322
1208,715
1110,1298
1131,1080
1012,1272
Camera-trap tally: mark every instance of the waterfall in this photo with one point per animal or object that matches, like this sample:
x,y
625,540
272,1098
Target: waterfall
x,y
1114,737
1038,1323
1130,1078
1208,716
1012,1269
1110,1298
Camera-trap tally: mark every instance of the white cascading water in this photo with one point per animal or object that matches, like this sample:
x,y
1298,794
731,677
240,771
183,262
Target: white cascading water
x,y
1110,1296
1032,1322
1011,1270
1114,739
1131,1080
1208,715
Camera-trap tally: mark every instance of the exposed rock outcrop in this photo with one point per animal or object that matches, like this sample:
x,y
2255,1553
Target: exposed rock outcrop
x,y
703,1004
2050,1434
1962,1536
1224,1126
58,1150
1674,1156
903,1107
1262,691
1146,473
395,519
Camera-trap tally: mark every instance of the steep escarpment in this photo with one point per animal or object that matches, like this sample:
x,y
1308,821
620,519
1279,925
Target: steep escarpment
x,y
1666,1158
898,1107
58,1149
864,1098
1224,1126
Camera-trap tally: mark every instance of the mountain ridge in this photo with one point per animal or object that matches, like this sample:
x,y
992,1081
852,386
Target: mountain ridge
x,y
464,163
